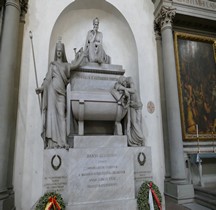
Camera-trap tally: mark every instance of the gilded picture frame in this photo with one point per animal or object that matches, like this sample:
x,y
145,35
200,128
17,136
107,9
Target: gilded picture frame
x,y
196,75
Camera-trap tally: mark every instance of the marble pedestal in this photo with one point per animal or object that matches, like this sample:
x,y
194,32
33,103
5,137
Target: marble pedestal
x,y
179,193
100,172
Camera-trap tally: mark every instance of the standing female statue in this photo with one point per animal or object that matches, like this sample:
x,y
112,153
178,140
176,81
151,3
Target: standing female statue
x,y
94,47
53,94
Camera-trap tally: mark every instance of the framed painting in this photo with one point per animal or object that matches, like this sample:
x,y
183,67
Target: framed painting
x,y
196,75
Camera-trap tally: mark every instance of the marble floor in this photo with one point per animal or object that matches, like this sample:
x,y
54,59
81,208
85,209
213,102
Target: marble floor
x,y
170,205
195,206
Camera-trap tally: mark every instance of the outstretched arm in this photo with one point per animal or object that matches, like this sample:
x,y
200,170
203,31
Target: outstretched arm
x,y
77,62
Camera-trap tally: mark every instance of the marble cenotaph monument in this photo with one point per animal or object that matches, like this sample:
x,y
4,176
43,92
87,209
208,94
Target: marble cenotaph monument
x,y
94,153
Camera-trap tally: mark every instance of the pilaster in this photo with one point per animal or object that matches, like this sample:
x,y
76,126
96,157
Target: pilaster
x,y
8,94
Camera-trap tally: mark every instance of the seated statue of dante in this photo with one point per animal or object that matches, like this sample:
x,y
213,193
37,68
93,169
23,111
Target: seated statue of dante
x,y
94,47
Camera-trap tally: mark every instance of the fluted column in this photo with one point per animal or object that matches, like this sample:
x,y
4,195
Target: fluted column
x,y
178,170
8,58
163,98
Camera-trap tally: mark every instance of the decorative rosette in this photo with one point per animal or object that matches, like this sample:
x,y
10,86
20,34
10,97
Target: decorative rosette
x,y
149,197
50,201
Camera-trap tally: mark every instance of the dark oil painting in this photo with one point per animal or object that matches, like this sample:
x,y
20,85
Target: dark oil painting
x,y
196,71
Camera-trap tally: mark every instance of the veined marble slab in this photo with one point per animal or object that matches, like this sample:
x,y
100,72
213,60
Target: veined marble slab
x,y
100,141
89,175
101,174
97,175
109,205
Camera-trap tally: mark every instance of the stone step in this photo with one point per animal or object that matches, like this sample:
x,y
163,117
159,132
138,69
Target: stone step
x,y
205,202
210,190
195,206
206,196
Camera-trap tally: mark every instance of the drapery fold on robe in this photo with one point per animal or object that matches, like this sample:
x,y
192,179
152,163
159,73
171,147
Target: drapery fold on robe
x,y
53,104
95,49
134,122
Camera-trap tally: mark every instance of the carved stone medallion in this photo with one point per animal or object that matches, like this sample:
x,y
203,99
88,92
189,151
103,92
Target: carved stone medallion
x,y
150,107
141,158
56,162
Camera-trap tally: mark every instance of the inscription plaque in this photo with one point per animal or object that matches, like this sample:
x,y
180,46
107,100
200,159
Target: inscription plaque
x,y
91,175
101,174
56,180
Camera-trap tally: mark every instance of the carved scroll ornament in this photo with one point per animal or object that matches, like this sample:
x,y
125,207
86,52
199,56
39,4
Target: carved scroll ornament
x,y
164,18
23,7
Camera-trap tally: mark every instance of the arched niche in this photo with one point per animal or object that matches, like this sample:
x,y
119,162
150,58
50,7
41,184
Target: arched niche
x,y
118,40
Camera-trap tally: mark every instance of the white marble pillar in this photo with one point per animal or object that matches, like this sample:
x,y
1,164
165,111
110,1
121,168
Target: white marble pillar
x,y
163,99
178,171
8,58
177,187
1,15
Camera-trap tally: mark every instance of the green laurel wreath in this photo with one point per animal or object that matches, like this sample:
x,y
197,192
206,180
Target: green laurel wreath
x,y
143,196
44,200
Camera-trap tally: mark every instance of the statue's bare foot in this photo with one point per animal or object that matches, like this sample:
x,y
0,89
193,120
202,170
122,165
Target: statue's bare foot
x,y
67,147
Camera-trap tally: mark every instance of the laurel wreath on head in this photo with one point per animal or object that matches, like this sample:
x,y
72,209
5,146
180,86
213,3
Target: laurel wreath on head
x,y
44,200
143,196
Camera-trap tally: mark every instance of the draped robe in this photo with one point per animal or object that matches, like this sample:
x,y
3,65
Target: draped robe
x,y
95,49
54,105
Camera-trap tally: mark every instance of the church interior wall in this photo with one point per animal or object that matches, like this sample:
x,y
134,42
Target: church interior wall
x,y
129,38
118,39
206,28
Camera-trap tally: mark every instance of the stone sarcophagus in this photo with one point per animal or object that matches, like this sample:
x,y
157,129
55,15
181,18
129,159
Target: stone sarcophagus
x,y
91,108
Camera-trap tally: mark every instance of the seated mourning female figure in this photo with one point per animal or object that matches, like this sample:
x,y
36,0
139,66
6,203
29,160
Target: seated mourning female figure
x,y
130,100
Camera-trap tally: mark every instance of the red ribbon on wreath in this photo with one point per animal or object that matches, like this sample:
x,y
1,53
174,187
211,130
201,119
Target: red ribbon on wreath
x,y
52,202
155,196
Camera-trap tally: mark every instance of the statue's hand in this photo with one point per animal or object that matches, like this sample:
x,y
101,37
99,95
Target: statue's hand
x,y
39,90
85,53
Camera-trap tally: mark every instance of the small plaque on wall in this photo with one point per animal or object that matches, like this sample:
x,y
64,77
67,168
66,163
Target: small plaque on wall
x,y
150,107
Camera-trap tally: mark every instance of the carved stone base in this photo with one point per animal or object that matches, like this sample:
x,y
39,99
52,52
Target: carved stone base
x,y
100,172
180,193
120,205
7,201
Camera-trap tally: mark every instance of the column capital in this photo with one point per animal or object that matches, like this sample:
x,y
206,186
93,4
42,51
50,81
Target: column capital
x,y
157,29
165,17
1,3
24,9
